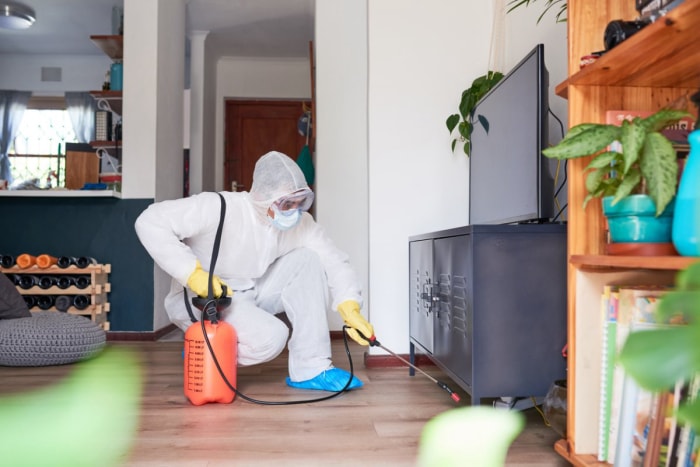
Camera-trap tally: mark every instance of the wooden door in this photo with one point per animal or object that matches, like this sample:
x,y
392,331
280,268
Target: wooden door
x,y
254,128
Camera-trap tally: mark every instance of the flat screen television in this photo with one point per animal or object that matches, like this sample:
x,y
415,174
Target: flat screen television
x,y
509,178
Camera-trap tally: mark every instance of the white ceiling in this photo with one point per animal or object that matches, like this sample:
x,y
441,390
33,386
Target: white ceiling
x,y
243,28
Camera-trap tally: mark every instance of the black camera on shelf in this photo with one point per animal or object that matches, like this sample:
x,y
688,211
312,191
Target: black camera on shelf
x,y
617,31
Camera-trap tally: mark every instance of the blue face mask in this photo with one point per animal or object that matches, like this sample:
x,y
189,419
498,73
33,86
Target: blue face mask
x,y
285,220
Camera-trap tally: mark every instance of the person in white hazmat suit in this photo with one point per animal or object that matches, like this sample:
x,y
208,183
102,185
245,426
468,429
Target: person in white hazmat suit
x,y
273,258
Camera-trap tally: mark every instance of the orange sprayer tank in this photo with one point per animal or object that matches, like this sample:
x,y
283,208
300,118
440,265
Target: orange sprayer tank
x,y
203,382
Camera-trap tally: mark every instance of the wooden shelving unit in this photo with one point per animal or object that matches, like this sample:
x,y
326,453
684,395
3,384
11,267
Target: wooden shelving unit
x,y
113,47
649,70
97,290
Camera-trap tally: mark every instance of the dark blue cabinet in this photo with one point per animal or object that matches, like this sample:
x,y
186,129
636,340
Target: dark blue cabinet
x,y
487,304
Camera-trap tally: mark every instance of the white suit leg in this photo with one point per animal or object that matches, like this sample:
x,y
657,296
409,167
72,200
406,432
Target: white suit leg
x,y
296,284
261,335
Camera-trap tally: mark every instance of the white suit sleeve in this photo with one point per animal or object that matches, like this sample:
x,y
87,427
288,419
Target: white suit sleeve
x,y
163,226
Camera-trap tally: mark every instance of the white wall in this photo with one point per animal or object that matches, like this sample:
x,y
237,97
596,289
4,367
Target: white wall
x,y
341,144
152,165
421,57
78,72
255,78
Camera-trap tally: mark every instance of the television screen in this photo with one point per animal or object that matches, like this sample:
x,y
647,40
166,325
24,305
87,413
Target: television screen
x,y
509,178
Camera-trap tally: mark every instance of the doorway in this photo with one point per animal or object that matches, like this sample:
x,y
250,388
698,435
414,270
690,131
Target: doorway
x,y
255,127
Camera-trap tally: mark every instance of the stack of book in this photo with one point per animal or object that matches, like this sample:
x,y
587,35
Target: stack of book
x,y
637,427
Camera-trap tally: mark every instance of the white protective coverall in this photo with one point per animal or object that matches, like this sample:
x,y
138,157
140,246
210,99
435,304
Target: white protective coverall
x,y
268,270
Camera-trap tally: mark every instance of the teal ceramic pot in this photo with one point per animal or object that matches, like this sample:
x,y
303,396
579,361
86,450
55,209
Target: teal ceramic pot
x,y
633,220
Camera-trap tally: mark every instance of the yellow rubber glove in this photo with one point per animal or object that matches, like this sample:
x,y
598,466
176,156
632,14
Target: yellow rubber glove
x,y
199,283
350,312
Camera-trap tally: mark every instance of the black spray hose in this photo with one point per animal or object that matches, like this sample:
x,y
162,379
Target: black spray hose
x,y
375,343
262,402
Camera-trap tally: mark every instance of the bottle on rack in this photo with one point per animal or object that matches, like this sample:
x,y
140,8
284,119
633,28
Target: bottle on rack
x,y
64,281
65,261
25,260
44,261
63,302
82,281
30,300
84,261
7,261
14,278
46,282
81,301
27,281
45,301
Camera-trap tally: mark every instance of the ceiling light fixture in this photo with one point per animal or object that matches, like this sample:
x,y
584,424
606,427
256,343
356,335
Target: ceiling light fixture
x,y
16,15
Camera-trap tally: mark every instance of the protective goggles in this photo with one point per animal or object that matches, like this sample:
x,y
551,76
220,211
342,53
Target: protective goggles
x,y
298,200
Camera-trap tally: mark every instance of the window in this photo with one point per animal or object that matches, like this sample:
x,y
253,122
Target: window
x,y
37,153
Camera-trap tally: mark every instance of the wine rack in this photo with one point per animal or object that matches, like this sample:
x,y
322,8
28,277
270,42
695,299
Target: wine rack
x,y
96,290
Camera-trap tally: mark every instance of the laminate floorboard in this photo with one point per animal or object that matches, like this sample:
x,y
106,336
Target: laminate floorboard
x,y
377,425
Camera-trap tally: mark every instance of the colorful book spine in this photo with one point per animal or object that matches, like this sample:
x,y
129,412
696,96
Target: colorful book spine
x,y
608,307
627,301
648,434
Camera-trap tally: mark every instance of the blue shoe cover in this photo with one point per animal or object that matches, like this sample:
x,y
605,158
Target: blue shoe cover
x,y
333,379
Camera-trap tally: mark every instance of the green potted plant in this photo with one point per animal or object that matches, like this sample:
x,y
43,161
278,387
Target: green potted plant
x,y
464,120
639,177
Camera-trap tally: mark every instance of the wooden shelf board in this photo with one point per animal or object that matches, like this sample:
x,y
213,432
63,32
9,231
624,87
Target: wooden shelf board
x,y
54,269
111,45
577,460
662,64
632,262
105,144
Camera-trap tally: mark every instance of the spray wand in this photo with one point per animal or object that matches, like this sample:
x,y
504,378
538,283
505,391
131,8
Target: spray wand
x,y
373,342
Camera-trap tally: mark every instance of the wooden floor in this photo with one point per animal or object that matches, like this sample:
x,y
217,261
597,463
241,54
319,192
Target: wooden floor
x,y
377,425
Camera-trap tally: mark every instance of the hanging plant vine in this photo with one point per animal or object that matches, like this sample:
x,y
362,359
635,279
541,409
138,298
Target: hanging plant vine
x,y
549,4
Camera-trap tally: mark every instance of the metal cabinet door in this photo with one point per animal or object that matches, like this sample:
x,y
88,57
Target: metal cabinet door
x,y
420,265
454,315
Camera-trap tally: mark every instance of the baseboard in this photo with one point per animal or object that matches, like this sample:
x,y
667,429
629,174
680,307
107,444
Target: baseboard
x,y
140,335
389,361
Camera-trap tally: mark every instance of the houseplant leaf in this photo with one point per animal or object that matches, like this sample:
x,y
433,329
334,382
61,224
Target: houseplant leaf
x,y
595,178
690,413
588,141
606,160
689,278
484,122
452,122
687,300
470,96
580,128
663,118
632,140
465,130
659,168
657,359
627,185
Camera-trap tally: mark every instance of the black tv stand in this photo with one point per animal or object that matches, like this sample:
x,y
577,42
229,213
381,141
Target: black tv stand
x,y
487,304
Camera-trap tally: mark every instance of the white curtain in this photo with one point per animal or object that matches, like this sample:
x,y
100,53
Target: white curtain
x,y
12,107
498,36
81,108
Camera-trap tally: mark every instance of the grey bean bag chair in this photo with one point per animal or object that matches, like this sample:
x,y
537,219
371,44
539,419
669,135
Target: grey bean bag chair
x,y
43,338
